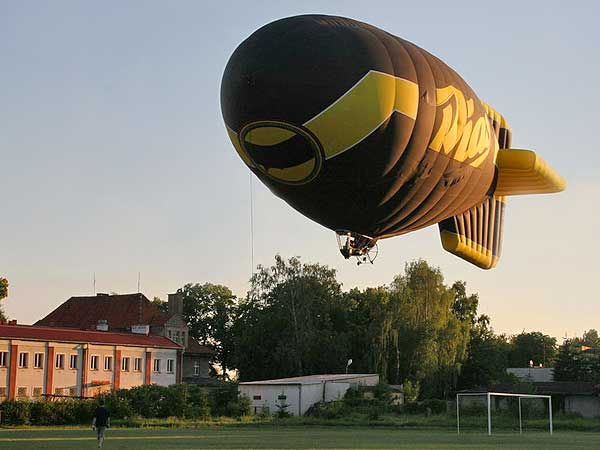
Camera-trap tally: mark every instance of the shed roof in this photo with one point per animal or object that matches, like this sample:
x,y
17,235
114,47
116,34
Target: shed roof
x,y
313,379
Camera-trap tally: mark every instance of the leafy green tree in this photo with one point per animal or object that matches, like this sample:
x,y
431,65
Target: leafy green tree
x,y
209,311
372,334
578,359
591,339
433,340
3,288
488,357
534,346
293,322
3,295
464,306
162,306
415,331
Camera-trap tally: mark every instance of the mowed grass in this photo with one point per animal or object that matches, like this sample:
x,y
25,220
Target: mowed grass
x,y
290,437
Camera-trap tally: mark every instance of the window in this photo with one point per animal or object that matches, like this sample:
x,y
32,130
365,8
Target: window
x,y
256,397
282,397
58,391
170,365
23,360
137,364
72,392
94,362
157,365
3,359
60,361
38,360
22,392
108,363
73,362
125,364
37,392
196,368
170,334
2,392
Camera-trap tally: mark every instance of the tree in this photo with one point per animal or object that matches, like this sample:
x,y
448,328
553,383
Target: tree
x,y
208,310
488,357
416,330
162,306
292,322
3,288
3,294
464,306
432,338
578,359
534,346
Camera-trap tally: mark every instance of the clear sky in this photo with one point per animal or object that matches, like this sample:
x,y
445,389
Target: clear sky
x,y
114,158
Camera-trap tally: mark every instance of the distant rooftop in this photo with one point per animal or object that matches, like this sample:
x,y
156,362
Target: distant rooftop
x,y
120,312
313,379
537,374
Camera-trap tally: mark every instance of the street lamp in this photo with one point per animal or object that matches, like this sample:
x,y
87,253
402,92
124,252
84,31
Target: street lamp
x,y
348,365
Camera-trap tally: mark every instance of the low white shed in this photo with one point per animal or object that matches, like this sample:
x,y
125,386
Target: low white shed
x,y
300,393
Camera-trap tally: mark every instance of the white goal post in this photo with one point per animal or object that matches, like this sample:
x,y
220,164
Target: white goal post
x,y
489,396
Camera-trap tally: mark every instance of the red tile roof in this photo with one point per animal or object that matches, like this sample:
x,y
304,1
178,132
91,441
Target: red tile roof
x,y
120,311
28,332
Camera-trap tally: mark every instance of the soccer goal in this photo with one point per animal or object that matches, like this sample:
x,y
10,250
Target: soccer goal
x,y
489,395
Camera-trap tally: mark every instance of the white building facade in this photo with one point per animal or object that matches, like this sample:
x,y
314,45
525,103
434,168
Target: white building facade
x,y
300,393
40,362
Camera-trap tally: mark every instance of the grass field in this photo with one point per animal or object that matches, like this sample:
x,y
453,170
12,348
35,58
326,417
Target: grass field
x,y
290,437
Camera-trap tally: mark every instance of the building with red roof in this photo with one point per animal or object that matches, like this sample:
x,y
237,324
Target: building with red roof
x,y
134,313
38,361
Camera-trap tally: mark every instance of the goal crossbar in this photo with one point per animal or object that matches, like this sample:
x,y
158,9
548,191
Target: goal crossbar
x,y
489,395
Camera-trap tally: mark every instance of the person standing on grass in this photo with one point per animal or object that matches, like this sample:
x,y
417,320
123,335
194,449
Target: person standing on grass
x,y
101,421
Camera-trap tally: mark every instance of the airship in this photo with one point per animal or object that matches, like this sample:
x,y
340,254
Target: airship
x,y
373,137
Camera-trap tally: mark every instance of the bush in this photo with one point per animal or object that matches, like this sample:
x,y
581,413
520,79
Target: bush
x,y
175,402
333,410
146,400
414,408
435,406
199,403
15,412
41,413
118,404
411,391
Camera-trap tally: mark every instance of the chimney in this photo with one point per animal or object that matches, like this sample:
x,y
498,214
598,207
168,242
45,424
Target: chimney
x,y
175,304
102,325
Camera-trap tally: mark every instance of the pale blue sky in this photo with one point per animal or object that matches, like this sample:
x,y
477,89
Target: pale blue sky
x,y
114,157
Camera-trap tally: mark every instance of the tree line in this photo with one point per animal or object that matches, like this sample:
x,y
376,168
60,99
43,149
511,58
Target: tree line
x,y
418,331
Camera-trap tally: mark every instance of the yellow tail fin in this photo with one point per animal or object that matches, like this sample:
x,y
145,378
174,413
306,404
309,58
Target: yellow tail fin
x,y
524,172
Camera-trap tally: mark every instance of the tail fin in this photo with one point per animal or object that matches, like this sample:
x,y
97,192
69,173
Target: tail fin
x,y
524,172
476,235
520,171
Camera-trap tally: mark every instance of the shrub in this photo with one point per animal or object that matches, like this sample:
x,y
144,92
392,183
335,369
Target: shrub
x,y
15,412
414,408
118,404
411,391
435,406
146,400
333,410
199,403
41,413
